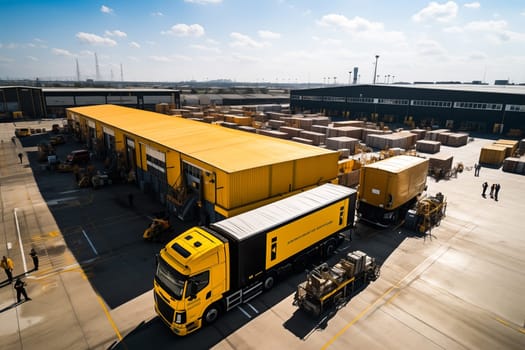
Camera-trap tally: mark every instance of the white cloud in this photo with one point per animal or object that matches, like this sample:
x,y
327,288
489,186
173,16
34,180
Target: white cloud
x,y
204,2
182,29
477,56
32,58
116,33
94,39
86,53
157,14
206,48
241,40
361,28
61,52
245,59
472,5
357,24
495,30
266,34
453,30
134,44
438,12
430,48
105,9
172,58
160,58
4,59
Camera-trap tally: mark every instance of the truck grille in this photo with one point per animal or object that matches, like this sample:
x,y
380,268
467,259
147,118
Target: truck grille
x,y
164,308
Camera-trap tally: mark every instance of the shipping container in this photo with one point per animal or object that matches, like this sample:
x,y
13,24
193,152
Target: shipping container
x,y
492,154
389,187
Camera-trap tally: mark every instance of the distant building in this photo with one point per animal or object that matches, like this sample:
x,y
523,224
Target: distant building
x,y
481,108
35,102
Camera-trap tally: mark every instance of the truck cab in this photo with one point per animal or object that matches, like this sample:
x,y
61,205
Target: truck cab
x,y
191,277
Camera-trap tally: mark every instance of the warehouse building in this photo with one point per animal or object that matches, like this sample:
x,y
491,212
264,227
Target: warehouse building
x,y
480,108
198,168
36,102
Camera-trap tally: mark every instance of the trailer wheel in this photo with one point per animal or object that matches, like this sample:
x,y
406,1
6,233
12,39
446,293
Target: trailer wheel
x,y
329,248
212,314
269,281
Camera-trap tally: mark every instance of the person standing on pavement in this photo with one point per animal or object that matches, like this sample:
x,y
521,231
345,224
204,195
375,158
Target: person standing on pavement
x,y
8,266
34,256
20,155
484,186
496,191
492,188
21,290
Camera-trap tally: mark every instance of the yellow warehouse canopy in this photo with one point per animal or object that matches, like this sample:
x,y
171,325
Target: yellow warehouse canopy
x,y
227,149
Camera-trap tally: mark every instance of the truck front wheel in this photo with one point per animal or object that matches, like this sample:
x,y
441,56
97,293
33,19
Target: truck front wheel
x,y
269,281
211,314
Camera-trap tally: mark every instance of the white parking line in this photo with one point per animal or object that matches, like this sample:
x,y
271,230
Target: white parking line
x,y
244,312
90,243
253,308
20,241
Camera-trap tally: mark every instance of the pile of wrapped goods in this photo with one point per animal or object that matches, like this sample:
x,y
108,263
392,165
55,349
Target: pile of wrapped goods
x,y
440,162
511,146
514,165
366,132
434,134
316,137
323,129
404,139
492,154
273,133
301,140
302,123
336,143
420,133
292,132
349,131
354,123
428,146
276,124
456,139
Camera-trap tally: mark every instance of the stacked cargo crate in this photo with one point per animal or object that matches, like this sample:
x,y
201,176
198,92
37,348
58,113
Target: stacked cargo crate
x,y
514,165
441,162
341,142
492,154
428,146
348,131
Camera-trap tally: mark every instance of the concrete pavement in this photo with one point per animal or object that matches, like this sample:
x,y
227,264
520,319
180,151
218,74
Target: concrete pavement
x,y
461,287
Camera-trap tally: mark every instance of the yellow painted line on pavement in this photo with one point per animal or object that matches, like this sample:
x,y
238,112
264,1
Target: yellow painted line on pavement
x,y
110,319
511,326
357,318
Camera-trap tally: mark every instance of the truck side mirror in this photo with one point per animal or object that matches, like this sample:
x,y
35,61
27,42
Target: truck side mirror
x,y
193,289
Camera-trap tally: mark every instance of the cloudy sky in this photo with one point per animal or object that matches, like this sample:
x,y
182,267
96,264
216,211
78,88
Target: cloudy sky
x,y
264,40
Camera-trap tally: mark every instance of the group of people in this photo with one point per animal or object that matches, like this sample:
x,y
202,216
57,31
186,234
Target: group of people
x,y
8,265
494,190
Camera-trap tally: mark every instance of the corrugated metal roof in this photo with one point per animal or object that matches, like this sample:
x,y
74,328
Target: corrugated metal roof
x,y
269,216
224,148
396,164
106,90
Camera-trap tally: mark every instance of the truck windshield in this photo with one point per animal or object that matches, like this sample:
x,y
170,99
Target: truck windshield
x,y
171,280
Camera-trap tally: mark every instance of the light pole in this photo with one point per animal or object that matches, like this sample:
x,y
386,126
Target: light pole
x,y
375,69
349,78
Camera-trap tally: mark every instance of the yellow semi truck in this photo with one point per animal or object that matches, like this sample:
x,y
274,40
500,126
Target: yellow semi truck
x,y
390,187
209,270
